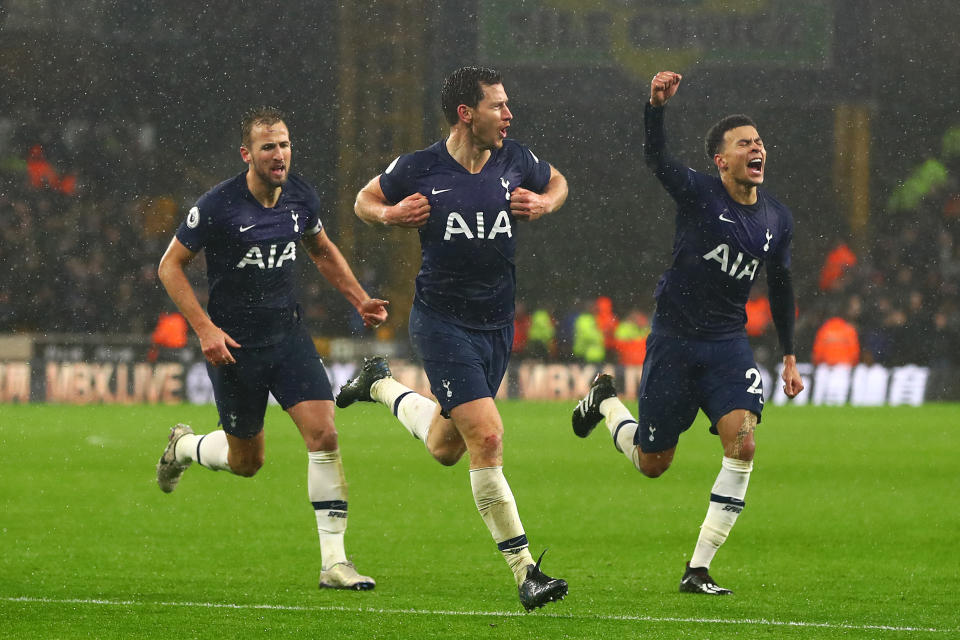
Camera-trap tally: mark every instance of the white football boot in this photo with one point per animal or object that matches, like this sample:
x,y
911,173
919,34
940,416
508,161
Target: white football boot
x,y
343,575
168,469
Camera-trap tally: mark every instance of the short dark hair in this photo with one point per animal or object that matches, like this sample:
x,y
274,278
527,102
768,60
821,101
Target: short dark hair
x,y
714,139
465,86
259,115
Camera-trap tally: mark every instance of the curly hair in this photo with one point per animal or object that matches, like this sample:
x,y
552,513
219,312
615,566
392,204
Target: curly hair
x,y
713,143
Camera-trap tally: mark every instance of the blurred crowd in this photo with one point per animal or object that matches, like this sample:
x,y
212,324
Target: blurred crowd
x,y
82,235
86,212
77,254
896,300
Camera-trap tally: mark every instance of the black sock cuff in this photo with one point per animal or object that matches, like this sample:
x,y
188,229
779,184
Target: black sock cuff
x,y
735,503
616,432
332,505
396,404
198,448
514,545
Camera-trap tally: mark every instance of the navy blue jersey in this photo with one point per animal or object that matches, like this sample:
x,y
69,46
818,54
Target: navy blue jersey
x,y
251,251
467,274
718,248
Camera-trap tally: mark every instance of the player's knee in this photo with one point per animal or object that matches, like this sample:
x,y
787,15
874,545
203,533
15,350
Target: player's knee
x,y
246,467
741,449
245,471
744,451
447,451
444,443
653,471
737,436
653,467
492,444
321,439
449,456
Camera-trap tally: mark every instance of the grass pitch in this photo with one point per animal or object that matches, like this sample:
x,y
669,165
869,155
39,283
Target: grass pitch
x,y
850,531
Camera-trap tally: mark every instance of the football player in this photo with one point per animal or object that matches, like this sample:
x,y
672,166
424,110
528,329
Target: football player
x,y
466,195
698,355
250,228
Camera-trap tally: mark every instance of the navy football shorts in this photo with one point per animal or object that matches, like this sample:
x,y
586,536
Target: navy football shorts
x,y
461,364
682,375
291,370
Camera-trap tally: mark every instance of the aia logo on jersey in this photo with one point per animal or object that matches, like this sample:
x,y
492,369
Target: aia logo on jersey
x,y
456,225
738,268
254,256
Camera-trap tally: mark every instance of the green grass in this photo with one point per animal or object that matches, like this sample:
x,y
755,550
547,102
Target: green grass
x,y
850,531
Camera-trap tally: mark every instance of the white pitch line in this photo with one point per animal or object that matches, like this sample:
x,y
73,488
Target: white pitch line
x,y
760,622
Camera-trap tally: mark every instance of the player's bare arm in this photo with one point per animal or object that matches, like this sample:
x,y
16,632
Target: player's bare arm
x,y
663,87
373,207
529,205
214,342
334,268
783,309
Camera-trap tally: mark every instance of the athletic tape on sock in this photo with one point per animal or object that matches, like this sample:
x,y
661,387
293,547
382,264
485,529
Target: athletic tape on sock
x,y
496,504
726,504
497,507
327,490
213,451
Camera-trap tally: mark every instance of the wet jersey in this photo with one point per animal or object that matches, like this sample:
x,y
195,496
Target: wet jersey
x,y
467,274
251,253
718,247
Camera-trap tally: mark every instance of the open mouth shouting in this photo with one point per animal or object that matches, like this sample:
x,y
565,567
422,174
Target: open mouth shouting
x,y
278,173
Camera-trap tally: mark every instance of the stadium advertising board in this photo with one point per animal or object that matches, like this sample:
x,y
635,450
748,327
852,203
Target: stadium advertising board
x,y
66,372
81,374
643,36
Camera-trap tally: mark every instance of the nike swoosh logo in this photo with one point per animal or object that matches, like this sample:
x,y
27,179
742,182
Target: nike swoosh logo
x,y
725,219
243,228
435,191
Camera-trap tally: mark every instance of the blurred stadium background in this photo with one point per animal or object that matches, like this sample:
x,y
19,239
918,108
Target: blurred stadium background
x,y
116,115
